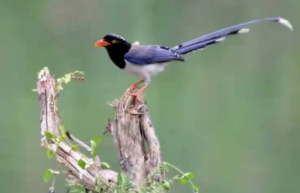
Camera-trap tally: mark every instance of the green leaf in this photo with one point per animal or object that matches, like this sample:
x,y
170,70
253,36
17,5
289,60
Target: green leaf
x,y
61,138
97,140
188,175
47,176
164,167
79,72
50,153
81,163
191,176
67,78
58,87
120,179
196,188
54,171
50,135
126,183
185,178
166,185
94,149
62,129
74,147
63,135
94,146
94,153
104,165
182,181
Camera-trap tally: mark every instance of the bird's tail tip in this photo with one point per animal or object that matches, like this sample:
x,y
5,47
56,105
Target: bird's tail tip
x,y
285,22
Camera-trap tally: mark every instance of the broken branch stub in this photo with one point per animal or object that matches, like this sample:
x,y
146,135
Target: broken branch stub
x,y
134,136
50,123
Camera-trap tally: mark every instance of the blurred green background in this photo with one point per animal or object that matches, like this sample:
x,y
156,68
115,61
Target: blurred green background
x,y
230,114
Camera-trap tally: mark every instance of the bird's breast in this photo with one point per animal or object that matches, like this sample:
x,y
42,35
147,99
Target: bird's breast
x,y
145,70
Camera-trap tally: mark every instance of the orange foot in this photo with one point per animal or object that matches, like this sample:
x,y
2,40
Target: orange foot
x,y
132,87
139,93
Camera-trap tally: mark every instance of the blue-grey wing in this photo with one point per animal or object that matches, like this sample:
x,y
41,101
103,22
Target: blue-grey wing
x,y
150,54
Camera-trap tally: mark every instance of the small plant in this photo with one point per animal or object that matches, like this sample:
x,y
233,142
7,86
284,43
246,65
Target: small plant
x,y
165,184
67,78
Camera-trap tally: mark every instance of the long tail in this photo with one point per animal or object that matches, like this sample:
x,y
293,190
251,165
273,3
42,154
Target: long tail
x,y
220,35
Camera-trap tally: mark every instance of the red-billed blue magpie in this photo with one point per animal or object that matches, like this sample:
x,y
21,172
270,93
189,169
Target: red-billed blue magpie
x,y
146,61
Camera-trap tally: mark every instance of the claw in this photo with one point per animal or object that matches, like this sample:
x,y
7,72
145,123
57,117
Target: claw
x,y
139,93
132,87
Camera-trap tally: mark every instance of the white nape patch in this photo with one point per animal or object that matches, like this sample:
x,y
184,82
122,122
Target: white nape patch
x,y
285,23
244,30
220,39
136,43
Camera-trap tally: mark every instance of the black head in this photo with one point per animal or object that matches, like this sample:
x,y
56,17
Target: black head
x,y
112,40
116,47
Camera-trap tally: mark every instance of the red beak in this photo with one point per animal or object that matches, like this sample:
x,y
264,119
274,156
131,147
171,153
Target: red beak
x,y
101,43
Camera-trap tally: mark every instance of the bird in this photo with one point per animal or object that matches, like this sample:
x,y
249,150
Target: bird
x,y
146,61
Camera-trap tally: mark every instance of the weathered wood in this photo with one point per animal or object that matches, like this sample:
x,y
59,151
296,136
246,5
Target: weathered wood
x,y
132,133
50,121
134,136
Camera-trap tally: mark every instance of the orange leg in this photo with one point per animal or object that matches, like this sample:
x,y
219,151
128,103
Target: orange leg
x,y
139,93
133,86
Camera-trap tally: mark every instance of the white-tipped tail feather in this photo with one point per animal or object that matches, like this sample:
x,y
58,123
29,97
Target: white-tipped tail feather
x,y
220,35
285,22
220,39
244,30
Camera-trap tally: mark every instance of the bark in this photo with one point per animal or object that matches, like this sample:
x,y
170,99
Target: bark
x,y
131,130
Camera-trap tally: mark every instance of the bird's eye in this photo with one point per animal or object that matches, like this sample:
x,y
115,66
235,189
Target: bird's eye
x,y
113,41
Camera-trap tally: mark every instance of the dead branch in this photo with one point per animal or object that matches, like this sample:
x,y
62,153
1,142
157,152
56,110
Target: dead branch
x,y
50,122
132,132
